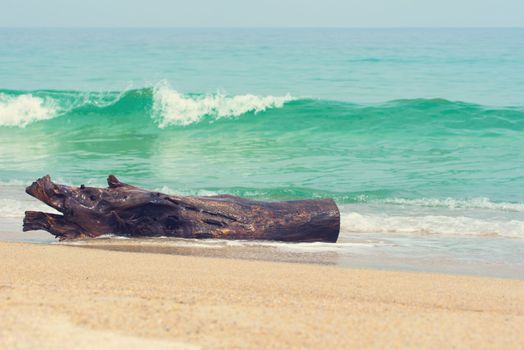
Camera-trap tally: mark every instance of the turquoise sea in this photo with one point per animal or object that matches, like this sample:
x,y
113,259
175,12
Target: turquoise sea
x,y
418,134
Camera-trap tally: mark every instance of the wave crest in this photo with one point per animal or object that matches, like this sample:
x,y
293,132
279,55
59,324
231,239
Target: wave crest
x,y
173,108
162,106
24,109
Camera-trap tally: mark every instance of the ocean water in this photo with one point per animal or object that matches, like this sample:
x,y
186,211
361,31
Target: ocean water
x,y
417,134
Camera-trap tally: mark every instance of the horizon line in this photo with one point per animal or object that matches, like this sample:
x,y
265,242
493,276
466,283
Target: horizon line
x,y
262,27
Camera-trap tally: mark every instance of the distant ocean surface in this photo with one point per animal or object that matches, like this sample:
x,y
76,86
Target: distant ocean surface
x,y
418,134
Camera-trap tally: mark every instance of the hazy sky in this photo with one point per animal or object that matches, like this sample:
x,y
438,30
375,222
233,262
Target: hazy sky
x,y
262,13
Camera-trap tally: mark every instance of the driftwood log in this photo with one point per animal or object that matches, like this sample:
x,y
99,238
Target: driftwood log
x,y
126,210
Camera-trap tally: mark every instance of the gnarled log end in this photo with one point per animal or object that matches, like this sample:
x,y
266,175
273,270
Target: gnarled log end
x,y
35,220
53,223
48,192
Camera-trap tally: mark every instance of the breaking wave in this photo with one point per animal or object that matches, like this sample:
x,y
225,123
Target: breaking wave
x,y
173,108
24,109
162,104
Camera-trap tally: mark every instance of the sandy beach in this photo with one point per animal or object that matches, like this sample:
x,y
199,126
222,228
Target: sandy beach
x,y
59,297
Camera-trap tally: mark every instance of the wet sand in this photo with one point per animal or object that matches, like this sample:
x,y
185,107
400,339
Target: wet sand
x,y
54,297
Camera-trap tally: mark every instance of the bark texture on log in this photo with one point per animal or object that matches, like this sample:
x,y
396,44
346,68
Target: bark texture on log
x,y
126,210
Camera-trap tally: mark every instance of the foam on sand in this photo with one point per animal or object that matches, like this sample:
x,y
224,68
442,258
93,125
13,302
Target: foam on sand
x,y
355,222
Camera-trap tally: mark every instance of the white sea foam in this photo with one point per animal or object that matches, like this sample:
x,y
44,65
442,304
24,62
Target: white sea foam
x,y
12,208
13,182
169,106
173,108
451,203
355,222
24,109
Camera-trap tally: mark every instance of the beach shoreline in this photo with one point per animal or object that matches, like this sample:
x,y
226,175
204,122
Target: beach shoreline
x,y
393,252
55,296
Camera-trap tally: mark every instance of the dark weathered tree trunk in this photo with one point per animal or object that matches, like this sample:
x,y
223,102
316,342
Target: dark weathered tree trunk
x,y
126,210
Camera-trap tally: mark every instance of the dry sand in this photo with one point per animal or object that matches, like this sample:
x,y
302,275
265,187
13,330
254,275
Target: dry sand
x,y
63,297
